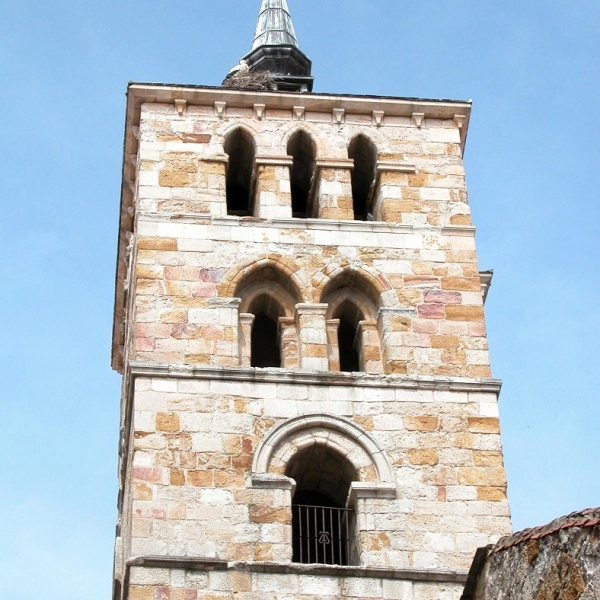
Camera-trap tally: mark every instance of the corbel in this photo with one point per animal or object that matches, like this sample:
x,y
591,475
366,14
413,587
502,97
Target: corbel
x,y
220,108
181,106
459,120
259,111
486,281
378,117
418,119
338,115
298,112
136,132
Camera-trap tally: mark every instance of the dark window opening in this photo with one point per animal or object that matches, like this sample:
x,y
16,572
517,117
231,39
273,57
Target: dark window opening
x,y
264,345
240,148
349,360
302,149
364,153
322,525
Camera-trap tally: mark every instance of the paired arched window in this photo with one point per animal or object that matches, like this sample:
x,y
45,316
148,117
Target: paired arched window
x,y
239,146
268,334
364,153
302,149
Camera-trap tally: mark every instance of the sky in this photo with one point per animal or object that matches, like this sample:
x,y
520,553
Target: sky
x,y
532,159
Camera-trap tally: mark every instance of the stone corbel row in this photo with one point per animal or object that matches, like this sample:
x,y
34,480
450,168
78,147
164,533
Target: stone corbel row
x,y
338,115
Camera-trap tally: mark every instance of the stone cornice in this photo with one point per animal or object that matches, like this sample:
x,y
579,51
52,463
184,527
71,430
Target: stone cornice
x,y
361,104
213,564
298,377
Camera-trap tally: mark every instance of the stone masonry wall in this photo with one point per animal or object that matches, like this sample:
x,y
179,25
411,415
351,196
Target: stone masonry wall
x,y
195,441
196,415
166,584
422,257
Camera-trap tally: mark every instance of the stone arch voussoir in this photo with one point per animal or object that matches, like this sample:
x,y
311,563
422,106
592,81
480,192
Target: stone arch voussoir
x,y
295,126
374,284
245,127
284,267
342,436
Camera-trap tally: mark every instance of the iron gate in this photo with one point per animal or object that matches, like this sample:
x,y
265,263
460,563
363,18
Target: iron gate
x,y
321,534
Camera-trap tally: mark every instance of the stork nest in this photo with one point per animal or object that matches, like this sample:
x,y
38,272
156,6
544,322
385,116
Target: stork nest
x,y
250,80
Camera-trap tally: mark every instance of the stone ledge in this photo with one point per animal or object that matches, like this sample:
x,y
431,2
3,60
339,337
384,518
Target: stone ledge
x,y
296,376
307,224
213,564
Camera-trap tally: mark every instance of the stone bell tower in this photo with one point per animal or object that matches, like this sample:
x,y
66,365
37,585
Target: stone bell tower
x,y
308,409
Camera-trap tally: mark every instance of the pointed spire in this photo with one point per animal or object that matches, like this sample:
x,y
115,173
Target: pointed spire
x,y
274,26
275,58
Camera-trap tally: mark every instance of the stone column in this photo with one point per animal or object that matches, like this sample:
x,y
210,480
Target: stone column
x,y
367,345
226,317
333,349
273,188
391,323
212,185
334,190
392,196
312,336
288,340
245,338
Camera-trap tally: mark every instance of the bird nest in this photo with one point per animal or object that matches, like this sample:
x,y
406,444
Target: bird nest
x,y
250,80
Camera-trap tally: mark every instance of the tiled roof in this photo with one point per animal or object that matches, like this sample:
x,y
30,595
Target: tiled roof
x,y
583,518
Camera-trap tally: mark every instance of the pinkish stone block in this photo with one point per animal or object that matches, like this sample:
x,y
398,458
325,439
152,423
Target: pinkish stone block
x,y
162,593
204,290
442,297
150,474
211,275
431,311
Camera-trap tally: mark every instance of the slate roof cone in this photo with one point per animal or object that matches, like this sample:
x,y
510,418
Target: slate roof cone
x,y
275,61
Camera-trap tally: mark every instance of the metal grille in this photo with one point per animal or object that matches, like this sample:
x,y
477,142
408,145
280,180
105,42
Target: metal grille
x,y
321,534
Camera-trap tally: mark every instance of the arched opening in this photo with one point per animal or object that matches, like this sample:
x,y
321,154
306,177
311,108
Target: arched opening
x,y
322,525
264,344
239,146
364,153
302,148
267,334
350,316
353,303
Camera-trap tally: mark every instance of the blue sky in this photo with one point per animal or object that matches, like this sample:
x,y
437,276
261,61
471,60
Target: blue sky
x,y
533,158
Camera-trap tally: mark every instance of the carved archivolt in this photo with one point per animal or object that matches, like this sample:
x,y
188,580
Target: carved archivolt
x,y
344,437
283,271
364,279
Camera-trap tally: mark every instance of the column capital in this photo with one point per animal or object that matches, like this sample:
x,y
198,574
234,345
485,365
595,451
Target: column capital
x,y
305,308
